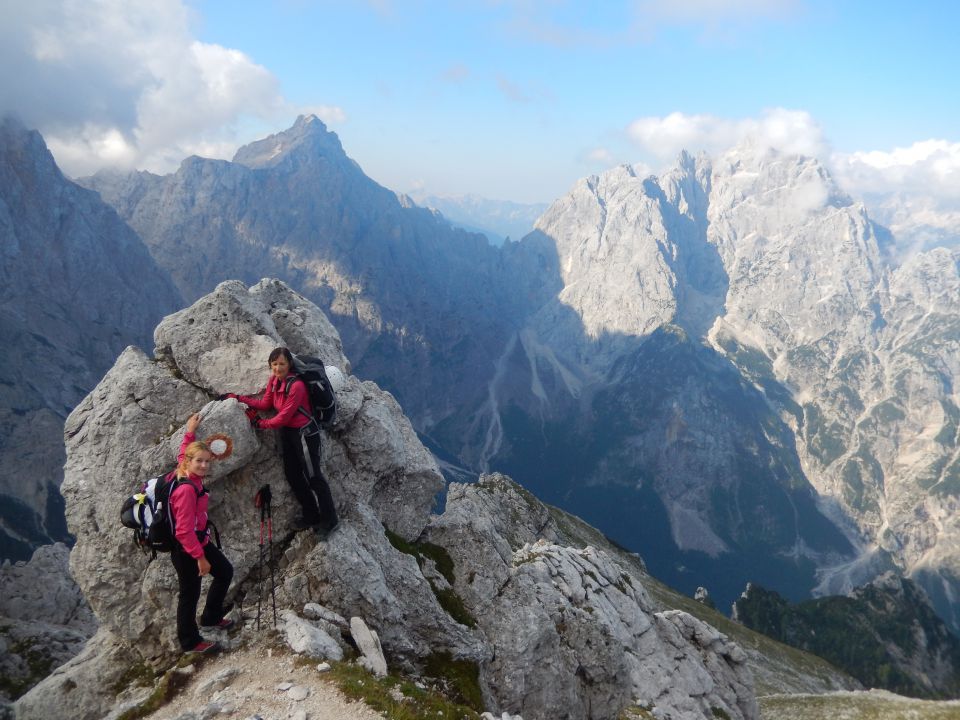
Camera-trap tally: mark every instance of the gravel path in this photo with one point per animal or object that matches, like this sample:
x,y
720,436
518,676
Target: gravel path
x,y
256,682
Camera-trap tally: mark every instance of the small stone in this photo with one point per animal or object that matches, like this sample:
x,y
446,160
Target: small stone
x,y
298,693
210,711
323,667
284,686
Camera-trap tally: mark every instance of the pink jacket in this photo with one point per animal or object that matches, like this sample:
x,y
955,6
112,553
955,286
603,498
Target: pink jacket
x,y
287,406
189,510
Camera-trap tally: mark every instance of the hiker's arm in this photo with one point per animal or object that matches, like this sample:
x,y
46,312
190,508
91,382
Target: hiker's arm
x,y
264,402
203,565
183,501
296,398
188,437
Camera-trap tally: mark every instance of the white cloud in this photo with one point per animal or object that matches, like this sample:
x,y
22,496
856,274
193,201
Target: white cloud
x,y
600,156
120,82
662,138
930,167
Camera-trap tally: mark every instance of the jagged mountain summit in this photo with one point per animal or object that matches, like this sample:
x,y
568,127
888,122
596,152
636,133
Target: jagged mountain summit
x,y
78,285
547,626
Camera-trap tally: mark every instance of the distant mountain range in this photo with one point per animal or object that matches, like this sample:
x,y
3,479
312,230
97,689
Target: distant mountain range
x,y
498,220
726,368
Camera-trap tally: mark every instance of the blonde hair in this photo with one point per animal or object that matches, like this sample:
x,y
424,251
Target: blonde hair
x,y
193,449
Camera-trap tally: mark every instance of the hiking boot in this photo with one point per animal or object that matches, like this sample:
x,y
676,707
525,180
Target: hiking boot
x,y
204,647
224,624
303,524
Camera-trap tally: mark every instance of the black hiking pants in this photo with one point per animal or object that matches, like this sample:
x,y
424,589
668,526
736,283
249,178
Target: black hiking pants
x,y
188,574
305,477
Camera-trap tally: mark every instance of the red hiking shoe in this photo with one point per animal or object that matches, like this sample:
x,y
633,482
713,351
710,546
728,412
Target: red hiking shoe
x,y
204,648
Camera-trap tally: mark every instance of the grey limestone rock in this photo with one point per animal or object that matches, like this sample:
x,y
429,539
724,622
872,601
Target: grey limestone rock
x,y
308,638
551,611
85,684
369,645
43,590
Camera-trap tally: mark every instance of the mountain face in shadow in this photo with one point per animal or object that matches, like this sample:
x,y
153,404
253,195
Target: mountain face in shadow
x,y
78,285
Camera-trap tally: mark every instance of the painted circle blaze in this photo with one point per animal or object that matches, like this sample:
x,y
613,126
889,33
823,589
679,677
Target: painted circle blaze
x,y
221,446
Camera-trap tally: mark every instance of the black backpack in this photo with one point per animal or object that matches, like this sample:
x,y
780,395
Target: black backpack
x,y
322,397
147,513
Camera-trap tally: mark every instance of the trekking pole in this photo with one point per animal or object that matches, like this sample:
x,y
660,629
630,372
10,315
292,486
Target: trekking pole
x,y
273,582
262,501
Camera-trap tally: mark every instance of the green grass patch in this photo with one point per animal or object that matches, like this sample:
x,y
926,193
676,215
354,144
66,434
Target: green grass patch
x,y
461,676
171,683
139,674
39,665
397,698
447,597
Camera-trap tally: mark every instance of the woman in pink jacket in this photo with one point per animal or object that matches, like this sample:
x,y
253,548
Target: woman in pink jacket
x,y
193,555
287,394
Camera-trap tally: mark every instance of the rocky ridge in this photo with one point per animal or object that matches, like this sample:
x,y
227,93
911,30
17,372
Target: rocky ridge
x,y
548,627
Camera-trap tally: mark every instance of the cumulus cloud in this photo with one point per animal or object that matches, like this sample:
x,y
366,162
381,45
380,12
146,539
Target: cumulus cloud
x,y
662,138
915,191
125,83
928,167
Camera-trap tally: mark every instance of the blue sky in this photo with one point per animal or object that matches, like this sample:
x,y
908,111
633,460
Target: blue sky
x,y
507,100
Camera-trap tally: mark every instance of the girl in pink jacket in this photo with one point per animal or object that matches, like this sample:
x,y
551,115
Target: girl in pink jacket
x,y
193,555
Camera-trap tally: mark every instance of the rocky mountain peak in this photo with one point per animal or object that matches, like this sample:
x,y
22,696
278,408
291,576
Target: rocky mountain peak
x,y
307,137
24,151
